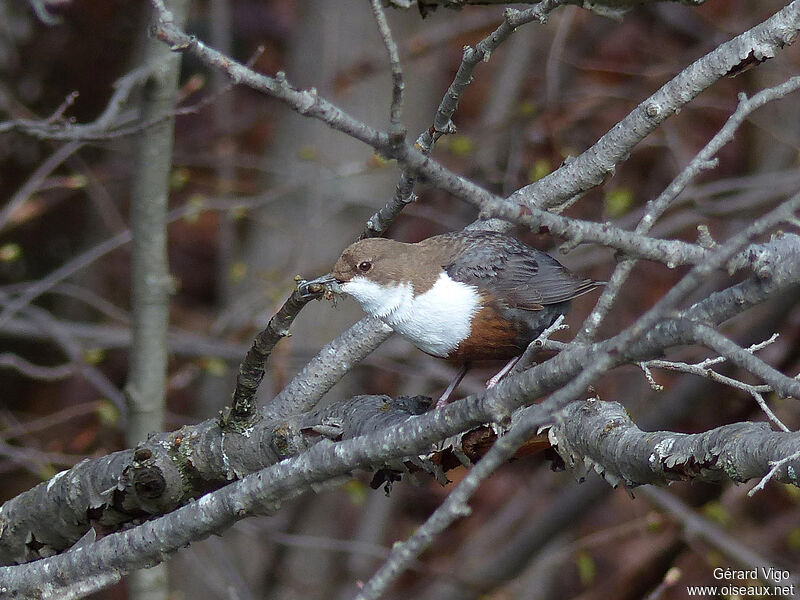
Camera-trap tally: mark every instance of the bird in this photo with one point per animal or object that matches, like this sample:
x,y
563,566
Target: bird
x,y
462,296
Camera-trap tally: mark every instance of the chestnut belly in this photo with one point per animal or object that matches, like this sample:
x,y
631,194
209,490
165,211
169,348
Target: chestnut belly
x,y
505,332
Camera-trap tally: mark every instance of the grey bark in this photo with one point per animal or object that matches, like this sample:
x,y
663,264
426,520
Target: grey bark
x,y
151,283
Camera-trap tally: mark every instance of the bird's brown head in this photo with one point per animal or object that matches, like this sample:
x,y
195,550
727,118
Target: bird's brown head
x,y
360,258
381,260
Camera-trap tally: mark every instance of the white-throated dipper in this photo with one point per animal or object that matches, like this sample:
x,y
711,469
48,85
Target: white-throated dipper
x,y
463,296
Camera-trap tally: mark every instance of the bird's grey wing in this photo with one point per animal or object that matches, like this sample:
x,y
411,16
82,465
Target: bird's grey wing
x,y
483,260
523,277
551,283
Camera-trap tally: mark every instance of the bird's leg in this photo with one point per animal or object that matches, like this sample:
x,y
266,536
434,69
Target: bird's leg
x,y
495,379
444,399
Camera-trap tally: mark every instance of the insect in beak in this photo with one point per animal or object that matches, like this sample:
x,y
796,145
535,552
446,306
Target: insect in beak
x,y
326,286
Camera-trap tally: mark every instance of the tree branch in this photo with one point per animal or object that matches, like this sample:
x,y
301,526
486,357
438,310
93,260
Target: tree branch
x,y
600,436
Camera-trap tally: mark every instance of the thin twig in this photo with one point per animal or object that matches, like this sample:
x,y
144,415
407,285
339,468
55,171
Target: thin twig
x,y
35,180
397,130
776,466
442,124
703,369
709,337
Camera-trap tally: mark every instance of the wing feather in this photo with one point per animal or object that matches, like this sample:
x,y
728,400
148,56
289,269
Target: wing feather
x,y
522,276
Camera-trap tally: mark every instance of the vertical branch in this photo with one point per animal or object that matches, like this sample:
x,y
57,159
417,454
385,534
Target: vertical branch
x,y
150,278
225,170
398,132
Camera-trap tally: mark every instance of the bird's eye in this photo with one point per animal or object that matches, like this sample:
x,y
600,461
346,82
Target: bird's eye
x,y
364,266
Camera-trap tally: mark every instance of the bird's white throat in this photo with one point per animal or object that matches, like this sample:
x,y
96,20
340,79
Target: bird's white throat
x,y
435,321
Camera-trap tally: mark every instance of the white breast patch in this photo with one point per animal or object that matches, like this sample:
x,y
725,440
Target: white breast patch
x,y
435,322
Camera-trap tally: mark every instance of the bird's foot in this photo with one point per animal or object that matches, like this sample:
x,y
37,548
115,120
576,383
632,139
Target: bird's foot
x,y
495,379
444,399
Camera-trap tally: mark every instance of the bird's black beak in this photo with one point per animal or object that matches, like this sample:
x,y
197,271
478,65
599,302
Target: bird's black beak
x,y
325,286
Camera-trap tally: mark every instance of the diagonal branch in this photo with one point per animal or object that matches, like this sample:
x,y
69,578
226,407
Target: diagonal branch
x,y
707,336
252,368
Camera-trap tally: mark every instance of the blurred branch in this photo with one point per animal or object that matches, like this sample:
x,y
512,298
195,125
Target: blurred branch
x,y
110,337
41,372
44,321
37,461
696,527
55,419
151,282
224,161
35,180
111,123
29,291
72,266
42,10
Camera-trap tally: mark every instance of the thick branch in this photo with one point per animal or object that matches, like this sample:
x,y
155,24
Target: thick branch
x,y
600,436
171,469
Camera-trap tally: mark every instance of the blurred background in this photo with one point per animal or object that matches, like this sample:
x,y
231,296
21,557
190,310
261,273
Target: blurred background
x,y
260,194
